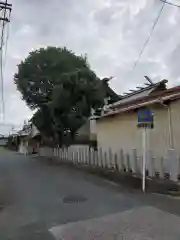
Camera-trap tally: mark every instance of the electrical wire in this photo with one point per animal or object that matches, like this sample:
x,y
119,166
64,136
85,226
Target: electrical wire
x,y
150,34
172,4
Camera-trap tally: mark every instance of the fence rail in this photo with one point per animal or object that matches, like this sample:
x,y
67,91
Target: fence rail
x,y
163,168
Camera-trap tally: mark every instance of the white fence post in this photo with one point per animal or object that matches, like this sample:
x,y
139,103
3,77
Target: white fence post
x,y
83,156
133,160
174,166
116,162
90,157
96,158
150,165
59,154
162,167
122,160
100,157
128,168
72,156
79,156
113,164
86,156
105,160
110,159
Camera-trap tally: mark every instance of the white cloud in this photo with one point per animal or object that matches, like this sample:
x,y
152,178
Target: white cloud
x,y
26,30
111,32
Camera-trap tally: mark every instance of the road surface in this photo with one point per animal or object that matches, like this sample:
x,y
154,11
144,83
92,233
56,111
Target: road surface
x,y
36,197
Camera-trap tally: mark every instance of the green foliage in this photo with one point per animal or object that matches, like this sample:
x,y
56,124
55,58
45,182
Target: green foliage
x,y
39,73
62,87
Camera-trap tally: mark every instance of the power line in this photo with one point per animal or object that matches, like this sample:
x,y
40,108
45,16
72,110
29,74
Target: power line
x,y
170,3
150,34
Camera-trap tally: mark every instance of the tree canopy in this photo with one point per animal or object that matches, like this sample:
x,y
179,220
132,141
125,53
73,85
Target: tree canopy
x,y
39,73
61,87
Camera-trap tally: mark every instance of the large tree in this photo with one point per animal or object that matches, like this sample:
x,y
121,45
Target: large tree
x,y
81,91
39,73
61,86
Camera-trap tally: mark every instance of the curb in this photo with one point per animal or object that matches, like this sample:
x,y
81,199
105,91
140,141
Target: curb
x,y
126,179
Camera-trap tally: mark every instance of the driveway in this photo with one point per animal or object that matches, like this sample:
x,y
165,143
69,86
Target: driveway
x,y
38,196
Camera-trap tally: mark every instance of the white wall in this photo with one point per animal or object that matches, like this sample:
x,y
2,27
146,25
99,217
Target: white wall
x,y
23,147
75,148
3,142
34,131
120,131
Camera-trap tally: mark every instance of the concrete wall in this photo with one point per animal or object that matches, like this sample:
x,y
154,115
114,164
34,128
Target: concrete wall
x,y
76,148
3,142
121,132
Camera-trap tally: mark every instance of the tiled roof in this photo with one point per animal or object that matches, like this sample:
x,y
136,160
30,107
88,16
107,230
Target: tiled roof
x,y
169,94
139,93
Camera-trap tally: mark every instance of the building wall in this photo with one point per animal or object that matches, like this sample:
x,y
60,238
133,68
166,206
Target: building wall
x,y
23,147
3,141
34,131
84,129
93,129
88,130
120,131
77,148
175,118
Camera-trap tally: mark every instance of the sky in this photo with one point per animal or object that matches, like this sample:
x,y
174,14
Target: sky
x,y
110,32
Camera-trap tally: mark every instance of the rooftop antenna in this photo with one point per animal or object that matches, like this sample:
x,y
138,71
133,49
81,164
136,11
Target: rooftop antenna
x,y
149,80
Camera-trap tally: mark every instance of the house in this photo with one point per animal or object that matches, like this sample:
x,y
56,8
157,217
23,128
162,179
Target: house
x,y
3,140
28,139
22,139
117,125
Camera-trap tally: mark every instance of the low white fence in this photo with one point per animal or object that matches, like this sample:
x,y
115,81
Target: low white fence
x,y
164,168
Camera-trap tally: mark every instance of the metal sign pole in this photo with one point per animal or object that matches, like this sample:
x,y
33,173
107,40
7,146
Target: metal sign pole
x,y
145,121
144,160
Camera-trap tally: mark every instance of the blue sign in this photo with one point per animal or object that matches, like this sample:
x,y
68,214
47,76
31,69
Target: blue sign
x,y
145,115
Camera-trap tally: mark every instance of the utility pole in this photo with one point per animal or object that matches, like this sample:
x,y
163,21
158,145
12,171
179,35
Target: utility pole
x,y
6,8
5,14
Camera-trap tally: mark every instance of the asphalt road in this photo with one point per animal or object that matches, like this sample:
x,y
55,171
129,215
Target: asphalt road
x,y
37,196
33,192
